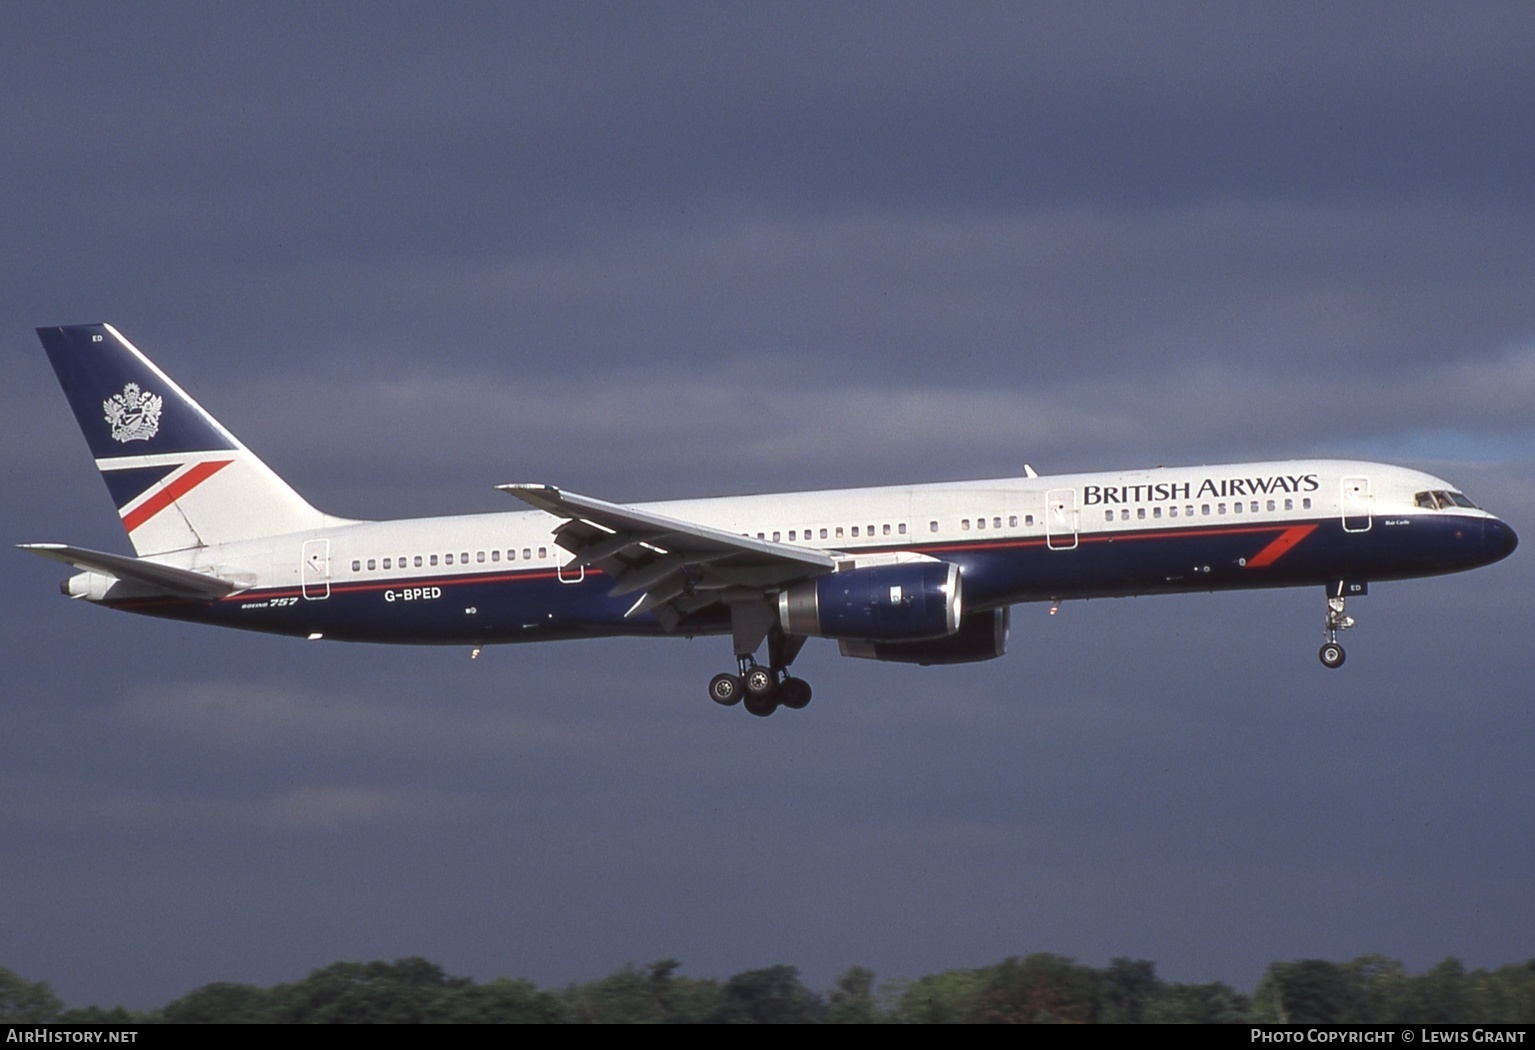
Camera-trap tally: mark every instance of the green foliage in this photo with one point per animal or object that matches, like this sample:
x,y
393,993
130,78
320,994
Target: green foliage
x,y
500,1001
1041,989
852,1000
1032,989
1198,1004
951,997
1311,991
220,1003
22,1002
770,996
403,992
1128,985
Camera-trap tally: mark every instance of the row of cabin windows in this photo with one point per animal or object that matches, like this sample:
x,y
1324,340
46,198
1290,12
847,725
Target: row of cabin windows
x,y
837,532
406,561
1204,508
431,560
980,523
855,531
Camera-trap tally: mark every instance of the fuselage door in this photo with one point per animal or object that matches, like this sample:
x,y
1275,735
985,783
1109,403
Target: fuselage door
x,y
1356,504
1061,519
314,568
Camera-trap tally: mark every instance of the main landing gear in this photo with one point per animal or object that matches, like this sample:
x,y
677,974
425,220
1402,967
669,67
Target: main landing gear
x,y
1331,654
764,689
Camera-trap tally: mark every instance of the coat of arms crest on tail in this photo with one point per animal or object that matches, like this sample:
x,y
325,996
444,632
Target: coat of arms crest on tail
x,y
134,414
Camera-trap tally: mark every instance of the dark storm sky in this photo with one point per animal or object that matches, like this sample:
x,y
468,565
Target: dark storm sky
x,y
408,252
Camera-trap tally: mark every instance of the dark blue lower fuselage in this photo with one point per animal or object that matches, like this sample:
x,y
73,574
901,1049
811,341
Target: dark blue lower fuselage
x,y
537,605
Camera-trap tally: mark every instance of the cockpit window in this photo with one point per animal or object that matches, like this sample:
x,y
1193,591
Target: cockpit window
x,y
1440,500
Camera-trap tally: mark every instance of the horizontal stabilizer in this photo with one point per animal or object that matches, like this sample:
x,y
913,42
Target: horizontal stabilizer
x,y
183,583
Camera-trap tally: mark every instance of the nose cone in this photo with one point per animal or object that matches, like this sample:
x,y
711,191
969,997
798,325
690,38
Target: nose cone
x,y
1498,539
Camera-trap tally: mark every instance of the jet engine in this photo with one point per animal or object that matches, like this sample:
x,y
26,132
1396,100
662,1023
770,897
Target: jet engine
x,y
981,636
884,603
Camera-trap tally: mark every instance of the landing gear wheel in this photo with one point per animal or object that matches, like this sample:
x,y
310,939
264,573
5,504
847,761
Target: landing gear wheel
x,y
1332,655
761,706
725,690
759,682
794,693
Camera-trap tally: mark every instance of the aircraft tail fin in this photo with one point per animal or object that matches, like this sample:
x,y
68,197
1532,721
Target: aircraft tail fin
x,y
179,479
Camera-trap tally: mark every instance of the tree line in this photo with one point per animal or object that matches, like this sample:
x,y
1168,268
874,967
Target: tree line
x,y
1031,989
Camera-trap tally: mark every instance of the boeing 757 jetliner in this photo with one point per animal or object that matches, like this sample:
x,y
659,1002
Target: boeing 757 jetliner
x,y
917,574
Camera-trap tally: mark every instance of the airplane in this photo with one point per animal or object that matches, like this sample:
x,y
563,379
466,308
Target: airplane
x,y
921,574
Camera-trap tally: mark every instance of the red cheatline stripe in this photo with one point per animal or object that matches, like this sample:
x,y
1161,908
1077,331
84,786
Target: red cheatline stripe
x,y
1280,545
172,492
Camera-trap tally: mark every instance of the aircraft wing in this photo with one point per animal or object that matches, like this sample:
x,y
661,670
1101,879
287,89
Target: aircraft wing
x,y
681,566
183,583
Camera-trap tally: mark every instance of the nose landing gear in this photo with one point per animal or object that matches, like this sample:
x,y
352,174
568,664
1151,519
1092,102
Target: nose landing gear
x,y
1331,654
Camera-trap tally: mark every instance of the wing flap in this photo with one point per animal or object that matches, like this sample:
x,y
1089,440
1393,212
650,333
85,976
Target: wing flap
x,y
680,566
673,534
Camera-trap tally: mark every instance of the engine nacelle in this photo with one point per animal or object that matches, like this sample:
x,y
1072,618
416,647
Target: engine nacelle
x,y
92,586
897,603
981,636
